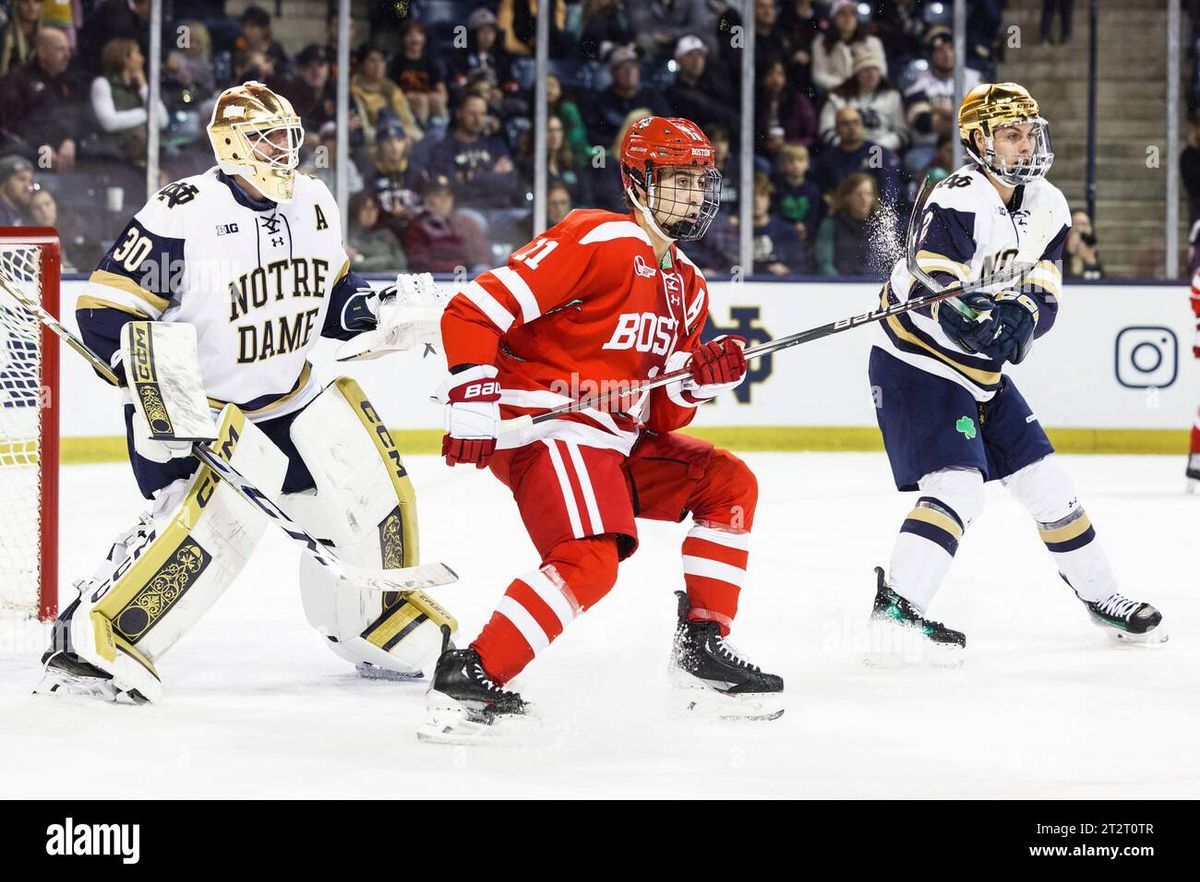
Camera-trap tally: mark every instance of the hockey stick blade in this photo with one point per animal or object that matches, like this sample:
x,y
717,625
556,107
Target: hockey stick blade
x,y
402,580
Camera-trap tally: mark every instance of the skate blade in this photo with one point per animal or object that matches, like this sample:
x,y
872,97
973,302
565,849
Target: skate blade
x,y
890,647
375,672
83,690
694,699
1193,487
1157,637
447,721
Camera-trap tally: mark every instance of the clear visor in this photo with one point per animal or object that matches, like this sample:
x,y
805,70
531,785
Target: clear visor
x,y
1020,169
685,200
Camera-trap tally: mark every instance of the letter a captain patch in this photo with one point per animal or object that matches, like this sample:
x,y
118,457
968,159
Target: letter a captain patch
x,y
322,224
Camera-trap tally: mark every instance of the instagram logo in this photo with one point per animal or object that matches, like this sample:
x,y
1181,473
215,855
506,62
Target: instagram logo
x,y
1147,356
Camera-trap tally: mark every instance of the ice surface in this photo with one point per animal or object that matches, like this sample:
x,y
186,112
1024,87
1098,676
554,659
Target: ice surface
x,y
1045,707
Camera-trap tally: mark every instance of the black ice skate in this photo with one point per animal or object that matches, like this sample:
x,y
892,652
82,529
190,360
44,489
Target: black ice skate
x,y
900,633
1128,620
711,678
1193,473
463,702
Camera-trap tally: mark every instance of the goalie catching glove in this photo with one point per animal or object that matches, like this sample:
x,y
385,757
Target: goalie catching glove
x,y
407,314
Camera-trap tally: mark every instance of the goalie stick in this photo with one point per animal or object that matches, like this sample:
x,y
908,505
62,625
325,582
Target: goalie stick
x,y
403,580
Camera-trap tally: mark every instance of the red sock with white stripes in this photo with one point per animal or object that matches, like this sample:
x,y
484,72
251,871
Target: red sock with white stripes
x,y
538,606
714,566
717,547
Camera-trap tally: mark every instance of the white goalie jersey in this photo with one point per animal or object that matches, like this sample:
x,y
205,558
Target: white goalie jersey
x,y
260,281
967,231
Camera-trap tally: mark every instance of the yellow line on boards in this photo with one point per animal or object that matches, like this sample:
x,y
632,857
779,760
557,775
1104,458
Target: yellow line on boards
x,y
749,438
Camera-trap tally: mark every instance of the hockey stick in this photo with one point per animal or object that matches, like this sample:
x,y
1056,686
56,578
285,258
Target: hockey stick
x,y
520,424
403,580
1037,236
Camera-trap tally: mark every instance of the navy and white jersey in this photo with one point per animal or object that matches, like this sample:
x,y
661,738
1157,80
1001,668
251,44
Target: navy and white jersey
x,y
966,232
260,281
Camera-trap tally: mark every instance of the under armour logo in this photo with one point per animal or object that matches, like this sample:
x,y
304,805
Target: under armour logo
x,y
275,243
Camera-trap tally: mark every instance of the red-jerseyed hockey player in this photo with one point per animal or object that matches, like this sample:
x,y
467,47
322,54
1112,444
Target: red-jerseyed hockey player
x,y
603,298
1193,464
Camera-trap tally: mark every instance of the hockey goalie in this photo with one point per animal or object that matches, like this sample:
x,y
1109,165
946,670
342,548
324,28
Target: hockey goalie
x,y
218,288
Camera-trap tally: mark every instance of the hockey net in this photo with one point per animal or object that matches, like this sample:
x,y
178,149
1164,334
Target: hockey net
x,y
29,265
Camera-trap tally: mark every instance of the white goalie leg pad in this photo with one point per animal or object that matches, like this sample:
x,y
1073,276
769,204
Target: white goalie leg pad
x,y
1047,492
364,505
185,556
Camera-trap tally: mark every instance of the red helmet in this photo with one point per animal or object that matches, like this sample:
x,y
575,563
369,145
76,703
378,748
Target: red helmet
x,y
658,142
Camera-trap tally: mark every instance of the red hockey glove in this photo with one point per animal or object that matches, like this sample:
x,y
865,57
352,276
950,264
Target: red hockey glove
x,y
472,399
719,362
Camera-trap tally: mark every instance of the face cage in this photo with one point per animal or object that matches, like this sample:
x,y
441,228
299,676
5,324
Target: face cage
x,y
685,229
1024,172
266,153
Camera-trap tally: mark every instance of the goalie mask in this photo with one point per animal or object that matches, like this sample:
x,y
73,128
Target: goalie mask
x,y
672,162
256,134
990,107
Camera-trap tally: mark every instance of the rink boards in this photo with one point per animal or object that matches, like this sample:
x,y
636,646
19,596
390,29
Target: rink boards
x,y
1115,375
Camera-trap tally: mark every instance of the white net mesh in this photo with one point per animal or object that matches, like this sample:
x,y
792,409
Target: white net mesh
x,y
21,395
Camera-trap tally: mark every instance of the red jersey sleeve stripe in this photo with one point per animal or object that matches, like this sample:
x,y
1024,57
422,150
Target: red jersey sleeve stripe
x,y
496,312
520,291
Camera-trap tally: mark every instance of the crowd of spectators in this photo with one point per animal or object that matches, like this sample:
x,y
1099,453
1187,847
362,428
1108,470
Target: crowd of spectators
x,y
852,109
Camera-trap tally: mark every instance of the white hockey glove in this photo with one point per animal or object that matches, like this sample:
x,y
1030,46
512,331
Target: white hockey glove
x,y
408,314
472,399
156,451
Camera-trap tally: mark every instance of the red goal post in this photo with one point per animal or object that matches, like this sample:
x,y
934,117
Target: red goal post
x,y
30,261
